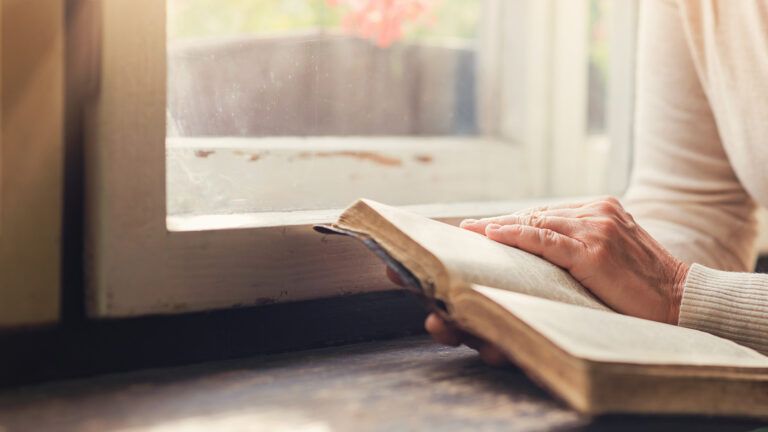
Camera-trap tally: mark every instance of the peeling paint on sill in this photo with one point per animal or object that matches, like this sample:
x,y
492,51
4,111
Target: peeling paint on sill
x,y
362,155
424,158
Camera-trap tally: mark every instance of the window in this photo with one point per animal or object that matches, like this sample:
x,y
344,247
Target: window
x,y
31,120
324,100
223,129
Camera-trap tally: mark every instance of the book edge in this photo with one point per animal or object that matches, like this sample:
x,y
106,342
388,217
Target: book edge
x,y
589,385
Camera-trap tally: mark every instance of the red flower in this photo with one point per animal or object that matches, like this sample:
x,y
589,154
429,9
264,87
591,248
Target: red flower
x,y
382,20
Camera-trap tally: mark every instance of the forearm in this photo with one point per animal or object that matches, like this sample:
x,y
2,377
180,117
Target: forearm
x,y
701,234
727,304
683,188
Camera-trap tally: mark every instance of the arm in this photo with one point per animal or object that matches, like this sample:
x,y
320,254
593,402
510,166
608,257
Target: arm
x,y
685,193
683,189
690,207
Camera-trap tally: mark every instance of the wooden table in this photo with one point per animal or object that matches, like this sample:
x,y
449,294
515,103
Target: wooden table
x,y
406,384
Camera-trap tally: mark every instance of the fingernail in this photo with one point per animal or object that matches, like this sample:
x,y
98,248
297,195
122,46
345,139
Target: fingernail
x,y
492,227
466,222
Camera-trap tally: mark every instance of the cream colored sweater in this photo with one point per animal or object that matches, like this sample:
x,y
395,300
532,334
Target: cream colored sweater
x,y
701,158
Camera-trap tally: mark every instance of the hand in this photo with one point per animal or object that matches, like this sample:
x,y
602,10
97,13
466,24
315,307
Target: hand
x,y
602,247
448,334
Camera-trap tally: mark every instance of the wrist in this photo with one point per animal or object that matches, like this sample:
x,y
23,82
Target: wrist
x,y
676,292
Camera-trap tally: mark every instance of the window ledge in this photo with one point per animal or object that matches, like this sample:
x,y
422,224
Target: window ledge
x,y
449,212
220,175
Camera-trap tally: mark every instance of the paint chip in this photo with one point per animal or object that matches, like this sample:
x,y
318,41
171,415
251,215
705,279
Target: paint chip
x,y
362,155
424,158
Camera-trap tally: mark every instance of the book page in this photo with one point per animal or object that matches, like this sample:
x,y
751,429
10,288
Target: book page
x,y
610,337
475,259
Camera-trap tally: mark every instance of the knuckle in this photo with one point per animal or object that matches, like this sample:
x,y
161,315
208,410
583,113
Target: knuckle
x,y
608,226
628,216
610,205
547,237
539,221
630,224
605,207
613,201
629,221
531,219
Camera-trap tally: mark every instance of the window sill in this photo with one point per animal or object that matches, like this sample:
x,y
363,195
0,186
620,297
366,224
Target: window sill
x,y
451,213
215,175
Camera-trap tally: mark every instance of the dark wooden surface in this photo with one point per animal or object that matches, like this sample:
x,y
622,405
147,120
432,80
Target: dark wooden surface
x,y
80,347
406,384
86,348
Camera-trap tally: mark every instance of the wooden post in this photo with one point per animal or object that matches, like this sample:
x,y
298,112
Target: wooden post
x,y
31,96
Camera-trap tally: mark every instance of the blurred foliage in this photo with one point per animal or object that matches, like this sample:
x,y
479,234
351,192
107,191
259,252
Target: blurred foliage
x,y
204,18
599,16
453,19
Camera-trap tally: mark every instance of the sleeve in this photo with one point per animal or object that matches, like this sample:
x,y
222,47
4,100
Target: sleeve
x,y
683,189
727,304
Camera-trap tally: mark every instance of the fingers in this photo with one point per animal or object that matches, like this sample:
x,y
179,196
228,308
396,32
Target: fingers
x,y
566,210
552,207
556,248
558,224
447,334
441,331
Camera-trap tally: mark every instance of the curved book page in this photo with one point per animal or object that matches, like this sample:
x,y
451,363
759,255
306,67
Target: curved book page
x,y
614,338
474,259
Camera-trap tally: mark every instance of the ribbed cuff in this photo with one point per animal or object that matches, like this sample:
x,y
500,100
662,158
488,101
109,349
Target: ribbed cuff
x,y
727,304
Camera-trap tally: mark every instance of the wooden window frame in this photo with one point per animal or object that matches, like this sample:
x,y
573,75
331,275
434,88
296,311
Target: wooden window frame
x,y
31,139
136,265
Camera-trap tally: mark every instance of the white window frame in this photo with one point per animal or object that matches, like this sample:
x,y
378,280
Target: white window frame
x,y
31,136
136,265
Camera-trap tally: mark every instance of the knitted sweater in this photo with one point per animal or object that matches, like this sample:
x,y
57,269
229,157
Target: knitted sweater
x,y
701,156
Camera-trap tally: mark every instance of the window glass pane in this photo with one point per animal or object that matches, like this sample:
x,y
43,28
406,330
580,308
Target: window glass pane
x,y
598,72
283,105
385,89
321,67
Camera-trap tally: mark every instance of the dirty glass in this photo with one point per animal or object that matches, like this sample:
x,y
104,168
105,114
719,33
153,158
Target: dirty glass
x,y
321,67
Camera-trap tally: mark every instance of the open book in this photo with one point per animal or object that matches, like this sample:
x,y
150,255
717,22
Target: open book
x,y
596,360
